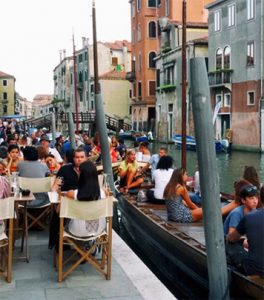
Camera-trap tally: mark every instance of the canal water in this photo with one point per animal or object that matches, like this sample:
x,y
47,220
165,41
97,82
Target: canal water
x,y
230,168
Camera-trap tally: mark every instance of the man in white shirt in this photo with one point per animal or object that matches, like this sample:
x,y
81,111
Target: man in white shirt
x,y
44,141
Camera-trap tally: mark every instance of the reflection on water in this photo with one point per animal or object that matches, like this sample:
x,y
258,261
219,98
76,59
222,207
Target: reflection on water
x,y
230,166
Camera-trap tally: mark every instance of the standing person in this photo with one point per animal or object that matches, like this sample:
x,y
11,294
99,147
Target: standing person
x,y
161,177
87,190
143,148
44,141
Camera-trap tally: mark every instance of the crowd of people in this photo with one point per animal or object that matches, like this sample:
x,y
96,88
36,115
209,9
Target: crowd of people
x,y
76,175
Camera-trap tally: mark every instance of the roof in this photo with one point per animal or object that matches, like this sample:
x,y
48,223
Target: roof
x,y
41,97
191,24
214,3
202,40
114,75
5,75
118,45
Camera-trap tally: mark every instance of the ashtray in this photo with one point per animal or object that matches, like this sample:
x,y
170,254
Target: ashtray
x,y
25,192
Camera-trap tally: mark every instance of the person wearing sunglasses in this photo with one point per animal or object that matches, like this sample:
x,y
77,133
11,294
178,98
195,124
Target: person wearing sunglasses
x,y
249,200
251,225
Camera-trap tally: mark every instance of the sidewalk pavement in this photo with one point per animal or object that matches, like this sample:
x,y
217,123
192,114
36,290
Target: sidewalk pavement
x,y
37,280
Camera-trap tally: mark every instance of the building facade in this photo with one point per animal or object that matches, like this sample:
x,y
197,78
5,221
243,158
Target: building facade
x,y
236,68
7,94
146,42
169,77
42,105
23,107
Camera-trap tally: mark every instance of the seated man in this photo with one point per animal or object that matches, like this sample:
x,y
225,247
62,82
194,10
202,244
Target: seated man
x,y
252,225
249,199
130,177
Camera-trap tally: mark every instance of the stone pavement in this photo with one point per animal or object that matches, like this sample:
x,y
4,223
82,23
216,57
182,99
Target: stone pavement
x,y
37,280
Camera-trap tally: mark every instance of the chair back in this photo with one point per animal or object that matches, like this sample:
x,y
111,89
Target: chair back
x,y
7,208
86,210
36,185
101,180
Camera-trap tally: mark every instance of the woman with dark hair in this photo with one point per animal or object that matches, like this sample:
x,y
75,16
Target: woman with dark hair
x,y
251,175
13,158
180,208
161,177
52,164
88,190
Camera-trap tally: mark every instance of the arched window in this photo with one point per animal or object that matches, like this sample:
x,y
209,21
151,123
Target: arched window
x,y
227,54
80,77
152,29
152,55
219,58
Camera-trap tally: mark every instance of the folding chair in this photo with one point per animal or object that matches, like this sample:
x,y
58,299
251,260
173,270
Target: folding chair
x,y
37,185
86,210
6,213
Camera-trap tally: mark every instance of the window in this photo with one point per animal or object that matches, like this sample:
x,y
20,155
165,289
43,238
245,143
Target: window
x,y
169,74
80,77
138,5
152,29
167,8
152,88
151,3
71,78
92,88
251,9
218,58
139,33
85,75
139,62
134,90
250,54
133,9
5,96
130,93
114,61
251,98
218,98
139,89
4,82
5,109
231,14
217,20
170,108
158,77
85,55
227,52
152,64
80,58
227,100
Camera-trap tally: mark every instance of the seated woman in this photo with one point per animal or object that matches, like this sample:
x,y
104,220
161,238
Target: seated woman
x,y
180,208
13,158
52,164
130,176
161,177
88,190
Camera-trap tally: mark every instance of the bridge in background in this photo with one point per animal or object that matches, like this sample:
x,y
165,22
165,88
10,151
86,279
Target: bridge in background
x,y
83,118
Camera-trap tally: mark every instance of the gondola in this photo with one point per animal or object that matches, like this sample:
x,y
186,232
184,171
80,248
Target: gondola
x,y
177,250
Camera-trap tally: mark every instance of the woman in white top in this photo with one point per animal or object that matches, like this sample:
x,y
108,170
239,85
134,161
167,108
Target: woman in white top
x,y
88,190
161,176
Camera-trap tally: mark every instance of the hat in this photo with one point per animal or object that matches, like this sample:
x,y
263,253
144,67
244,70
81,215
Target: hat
x,y
248,191
44,138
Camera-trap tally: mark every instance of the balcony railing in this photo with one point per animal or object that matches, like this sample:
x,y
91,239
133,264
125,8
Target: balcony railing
x,y
220,77
131,76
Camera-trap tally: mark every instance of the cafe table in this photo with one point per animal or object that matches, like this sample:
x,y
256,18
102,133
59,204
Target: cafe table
x,y
23,200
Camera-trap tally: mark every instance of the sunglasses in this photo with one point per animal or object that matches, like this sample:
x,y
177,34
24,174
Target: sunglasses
x,y
250,189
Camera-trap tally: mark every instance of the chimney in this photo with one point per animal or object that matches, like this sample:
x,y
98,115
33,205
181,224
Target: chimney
x,y
60,55
64,53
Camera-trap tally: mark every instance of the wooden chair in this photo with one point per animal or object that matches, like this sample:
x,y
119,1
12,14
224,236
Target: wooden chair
x,y
6,243
86,210
37,185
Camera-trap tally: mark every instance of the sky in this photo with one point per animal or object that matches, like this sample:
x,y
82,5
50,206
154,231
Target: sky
x,y
34,31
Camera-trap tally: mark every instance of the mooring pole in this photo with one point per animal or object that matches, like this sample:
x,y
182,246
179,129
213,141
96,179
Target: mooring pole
x,y
71,130
213,225
100,122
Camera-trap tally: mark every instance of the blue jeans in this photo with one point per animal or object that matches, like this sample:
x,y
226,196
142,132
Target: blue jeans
x,y
195,197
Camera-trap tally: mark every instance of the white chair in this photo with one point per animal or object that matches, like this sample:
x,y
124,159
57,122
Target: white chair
x,y
86,210
6,242
37,185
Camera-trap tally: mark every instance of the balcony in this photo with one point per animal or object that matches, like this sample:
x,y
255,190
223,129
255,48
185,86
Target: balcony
x,y
167,87
131,76
221,77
